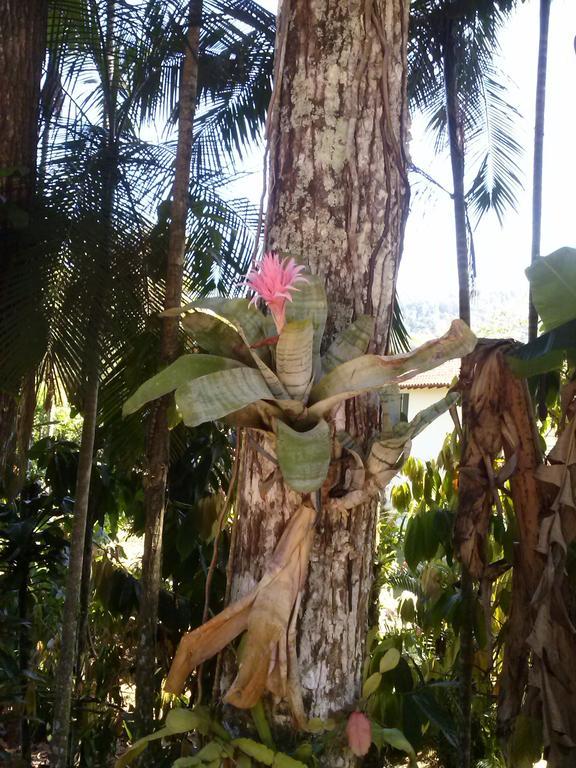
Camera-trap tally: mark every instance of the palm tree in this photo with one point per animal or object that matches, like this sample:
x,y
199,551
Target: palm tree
x,y
539,151
452,79
158,442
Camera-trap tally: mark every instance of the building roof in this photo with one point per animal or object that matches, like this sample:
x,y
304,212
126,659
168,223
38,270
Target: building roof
x,y
438,378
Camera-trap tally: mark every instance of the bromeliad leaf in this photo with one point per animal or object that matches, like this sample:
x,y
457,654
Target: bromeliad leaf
x,y
304,457
174,375
349,344
372,372
294,357
309,303
553,286
216,336
239,312
214,396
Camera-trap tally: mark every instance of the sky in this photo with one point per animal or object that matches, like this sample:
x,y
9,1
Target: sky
x,y
429,262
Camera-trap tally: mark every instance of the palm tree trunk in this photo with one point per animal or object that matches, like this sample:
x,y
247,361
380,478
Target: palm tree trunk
x,y
64,684
456,138
539,151
158,446
338,199
457,159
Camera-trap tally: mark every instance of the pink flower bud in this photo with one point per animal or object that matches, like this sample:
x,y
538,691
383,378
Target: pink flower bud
x,y
359,733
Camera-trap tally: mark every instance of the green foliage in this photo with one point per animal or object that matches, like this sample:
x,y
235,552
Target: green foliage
x,y
553,290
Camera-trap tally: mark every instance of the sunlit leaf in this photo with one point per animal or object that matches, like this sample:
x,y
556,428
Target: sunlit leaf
x,y
176,374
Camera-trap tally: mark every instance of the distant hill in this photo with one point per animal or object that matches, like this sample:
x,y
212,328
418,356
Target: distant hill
x,y
495,314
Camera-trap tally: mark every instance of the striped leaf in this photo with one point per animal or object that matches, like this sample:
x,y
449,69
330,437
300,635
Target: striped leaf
x,y
294,357
372,372
217,395
309,303
173,376
239,312
351,343
216,336
304,457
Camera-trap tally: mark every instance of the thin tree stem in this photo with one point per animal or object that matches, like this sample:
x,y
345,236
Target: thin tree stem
x,y
539,152
456,138
65,673
158,447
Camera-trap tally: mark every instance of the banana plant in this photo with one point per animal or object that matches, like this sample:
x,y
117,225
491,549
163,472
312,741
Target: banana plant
x,y
266,372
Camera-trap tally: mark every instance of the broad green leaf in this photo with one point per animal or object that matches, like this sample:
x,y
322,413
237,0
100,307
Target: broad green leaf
x,y
253,749
553,287
304,457
396,739
371,684
139,746
309,303
281,760
294,360
175,375
546,353
389,660
351,343
212,751
219,394
187,762
181,720
372,372
426,701
216,337
239,312
243,761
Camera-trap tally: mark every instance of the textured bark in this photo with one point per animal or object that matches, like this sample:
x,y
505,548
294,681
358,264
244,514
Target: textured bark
x,y
539,151
158,450
456,139
64,683
338,198
22,45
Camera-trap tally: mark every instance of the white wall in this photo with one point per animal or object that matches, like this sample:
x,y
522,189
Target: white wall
x,y
429,442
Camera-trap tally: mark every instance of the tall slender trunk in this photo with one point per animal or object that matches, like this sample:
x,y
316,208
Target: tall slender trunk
x,y
338,200
22,47
24,648
456,139
158,444
64,684
65,680
24,428
457,161
539,151
84,595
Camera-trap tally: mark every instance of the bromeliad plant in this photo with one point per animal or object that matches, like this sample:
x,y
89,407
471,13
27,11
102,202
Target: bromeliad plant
x,y
267,373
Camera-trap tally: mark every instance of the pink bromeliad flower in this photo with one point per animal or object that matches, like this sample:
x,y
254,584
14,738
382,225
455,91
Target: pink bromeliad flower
x,y
273,281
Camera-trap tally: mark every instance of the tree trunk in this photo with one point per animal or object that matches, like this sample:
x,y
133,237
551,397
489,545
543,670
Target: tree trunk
x,y
539,151
24,652
22,46
158,447
456,138
64,684
338,200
